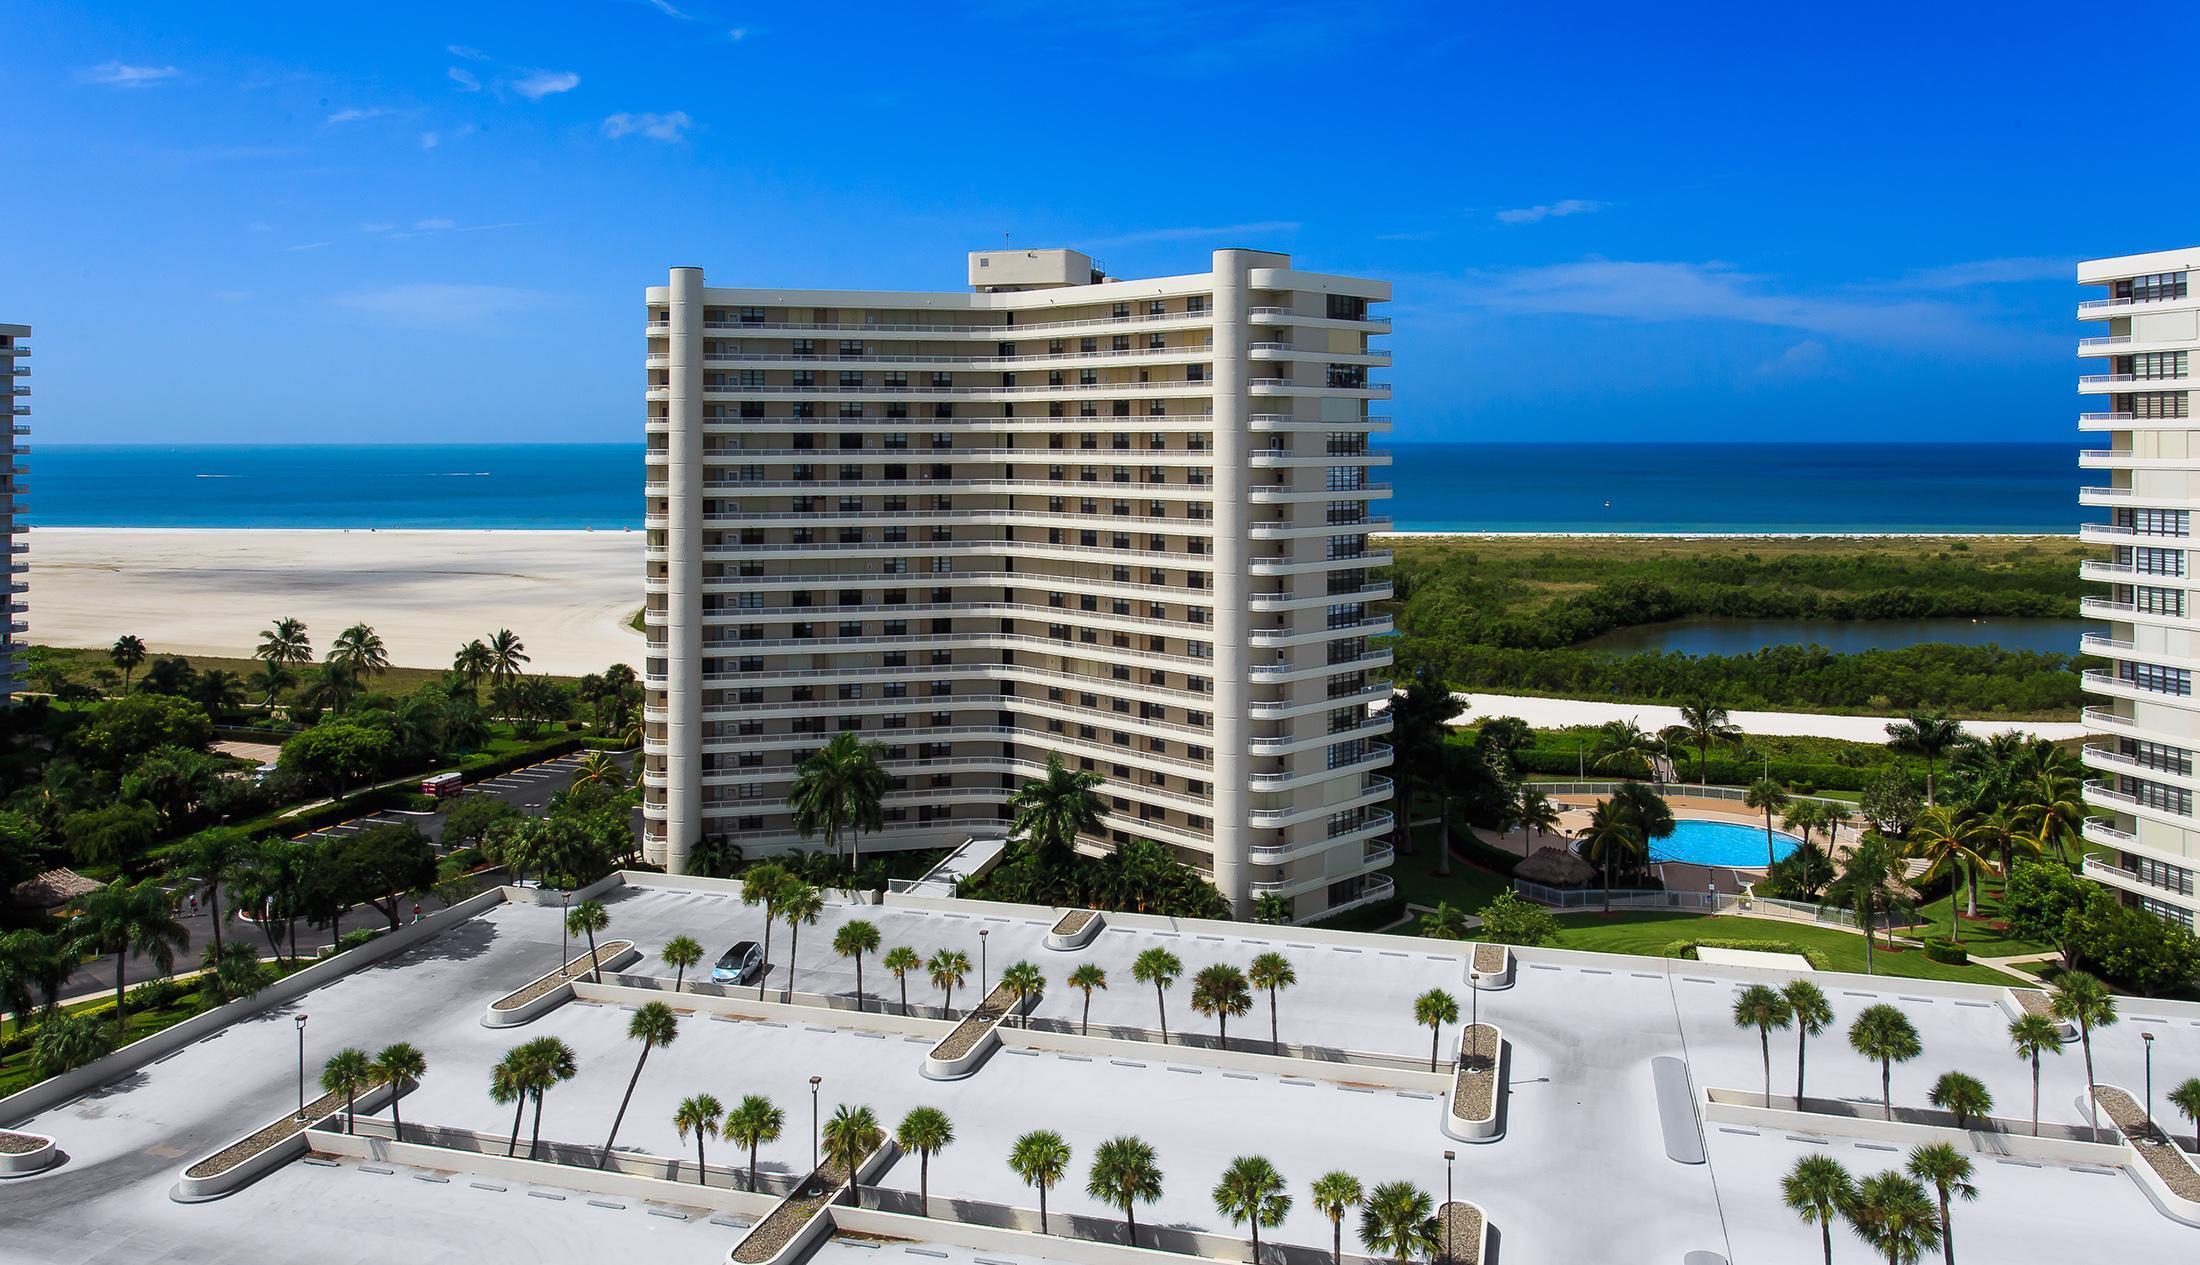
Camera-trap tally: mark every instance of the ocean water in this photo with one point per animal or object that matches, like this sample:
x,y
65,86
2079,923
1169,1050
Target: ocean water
x,y
1439,487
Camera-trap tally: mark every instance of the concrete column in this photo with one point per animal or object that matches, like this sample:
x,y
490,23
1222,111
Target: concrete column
x,y
1233,412
683,742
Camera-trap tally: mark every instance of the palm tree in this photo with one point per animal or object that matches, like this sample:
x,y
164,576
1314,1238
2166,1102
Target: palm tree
x,y
1948,1172
506,654
1445,922
1048,813
127,653
850,1136
548,1063
2054,810
948,968
1435,1008
700,1114
752,1124
598,768
1895,1215
1537,812
1085,979
209,857
285,645
799,904
1705,722
1805,815
1252,1193
273,679
1764,1008
841,787
398,1064
1271,909
855,938
764,884
1622,747
1125,1173
359,651
1866,873
653,1025
2186,1098
1926,733
1024,980
1420,719
472,662
347,1072
1819,1190
1220,991
901,959
508,1084
1811,1012
586,919
1884,1033
1160,968
2033,1035
1961,1095
1948,842
927,1131
1398,1218
1336,1193
680,953
124,918
1272,972
1768,795
1609,832
33,968
2084,1000
1040,1157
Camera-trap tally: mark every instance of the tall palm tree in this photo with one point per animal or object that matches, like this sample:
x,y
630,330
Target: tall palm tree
x,y
755,1122
273,679
1160,968
1948,1172
1764,1008
680,953
1884,1033
1808,1006
1025,980
1220,991
1805,815
1622,747
840,788
799,905
1926,733
1125,1173
1435,1008
927,1131
1336,1193
1864,885
33,968
1272,972
1705,722
397,1065
507,656
548,1063
1040,1157
347,1072
766,883
1609,833
1445,922
1420,720
1050,812
1950,844
1645,811
1895,1215
2082,999
1398,1219
598,768
855,938
472,662
208,858
2053,810
586,919
850,1135
2186,1098
653,1025
284,644
359,651
126,654
1768,795
1819,1191
1537,812
508,1084
1252,1193
2032,1035
1963,1096
901,959
1085,979
124,918
948,969
699,1114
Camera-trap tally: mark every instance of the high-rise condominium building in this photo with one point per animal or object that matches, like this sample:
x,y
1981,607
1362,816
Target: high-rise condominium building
x,y
14,373
2145,729
1122,522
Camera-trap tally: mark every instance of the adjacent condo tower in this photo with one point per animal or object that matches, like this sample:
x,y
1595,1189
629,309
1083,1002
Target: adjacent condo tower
x,y
2146,729
1125,522
14,348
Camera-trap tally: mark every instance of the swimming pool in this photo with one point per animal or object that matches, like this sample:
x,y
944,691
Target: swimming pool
x,y
1720,843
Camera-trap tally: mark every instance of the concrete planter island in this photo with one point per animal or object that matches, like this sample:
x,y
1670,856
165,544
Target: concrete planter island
x,y
1074,930
1476,1110
548,992
2162,1168
271,1146
805,1216
22,1154
961,1051
1491,967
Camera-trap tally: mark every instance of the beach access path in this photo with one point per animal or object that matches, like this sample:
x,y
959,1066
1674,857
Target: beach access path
x,y
1558,713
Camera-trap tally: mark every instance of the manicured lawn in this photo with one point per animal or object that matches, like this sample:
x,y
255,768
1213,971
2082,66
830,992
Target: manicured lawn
x,y
17,1072
1468,887
1980,937
1647,933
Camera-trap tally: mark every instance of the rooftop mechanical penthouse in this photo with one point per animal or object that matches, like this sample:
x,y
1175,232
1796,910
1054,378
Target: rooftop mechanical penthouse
x,y
1122,521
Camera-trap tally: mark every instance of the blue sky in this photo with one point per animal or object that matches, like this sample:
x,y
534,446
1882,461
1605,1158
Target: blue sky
x,y
250,223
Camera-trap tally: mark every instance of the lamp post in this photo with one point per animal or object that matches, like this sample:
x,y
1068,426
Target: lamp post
x,y
982,993
1474,1015
301,1065
2148,1037
813,1121
564,927
1443,1216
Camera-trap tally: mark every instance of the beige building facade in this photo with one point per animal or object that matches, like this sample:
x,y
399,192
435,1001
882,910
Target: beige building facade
x,y
15,371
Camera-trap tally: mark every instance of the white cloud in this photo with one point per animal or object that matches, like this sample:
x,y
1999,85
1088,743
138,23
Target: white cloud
x,y
115,74
376,226
738,34
1260,228
432,226
537,84
1422,236
1549,211
657,127
355,114
461,50
429,140
665,7
1978,272
439,305
466,80
306,246
1806,359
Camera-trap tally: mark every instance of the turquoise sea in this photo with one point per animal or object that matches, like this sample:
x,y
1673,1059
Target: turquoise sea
x,y
1497,487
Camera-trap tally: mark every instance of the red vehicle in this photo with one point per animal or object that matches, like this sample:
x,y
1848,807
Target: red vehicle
x,y
443,785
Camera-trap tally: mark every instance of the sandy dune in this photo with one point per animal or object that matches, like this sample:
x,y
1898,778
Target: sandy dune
x,y
568,594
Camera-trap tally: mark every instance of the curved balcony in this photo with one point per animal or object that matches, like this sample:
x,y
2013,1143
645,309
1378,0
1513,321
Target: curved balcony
x,y
1284,709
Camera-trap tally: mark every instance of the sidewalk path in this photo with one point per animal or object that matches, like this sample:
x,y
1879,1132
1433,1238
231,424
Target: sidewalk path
x,y
1557,713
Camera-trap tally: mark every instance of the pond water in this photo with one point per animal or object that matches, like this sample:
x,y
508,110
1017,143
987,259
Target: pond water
x,y
1742,636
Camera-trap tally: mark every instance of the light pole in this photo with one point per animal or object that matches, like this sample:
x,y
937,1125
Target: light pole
x,y
1443,1216
2148,1037
1474,1016
564,927
982,993
301,1065
813,1121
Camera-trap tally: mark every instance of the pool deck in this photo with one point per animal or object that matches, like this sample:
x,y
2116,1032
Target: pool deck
x,y
1730,880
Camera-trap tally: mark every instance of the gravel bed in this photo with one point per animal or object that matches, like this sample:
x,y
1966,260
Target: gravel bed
x,y
2034,1002
2168,1162
252,1144
1489,959
1474,1086
793,1212
19,1143
1073,922
965,1036
563,975
1460,1231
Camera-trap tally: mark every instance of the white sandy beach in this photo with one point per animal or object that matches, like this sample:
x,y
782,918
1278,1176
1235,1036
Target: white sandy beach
x,y
1559,713
568,594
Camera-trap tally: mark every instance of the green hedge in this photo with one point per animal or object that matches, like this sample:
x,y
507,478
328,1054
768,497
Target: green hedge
x,y
1944,950
1687,949
1722,771
475,768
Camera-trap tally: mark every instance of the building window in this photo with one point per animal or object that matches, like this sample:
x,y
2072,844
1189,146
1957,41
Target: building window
x,y
2148,561
2153,601
2151,287
2155,678
2155,404
2168,799
2151,364
2145,522
2157,755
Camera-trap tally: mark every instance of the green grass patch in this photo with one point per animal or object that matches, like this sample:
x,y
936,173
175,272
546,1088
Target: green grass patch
x,y
1652,934
18,1071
